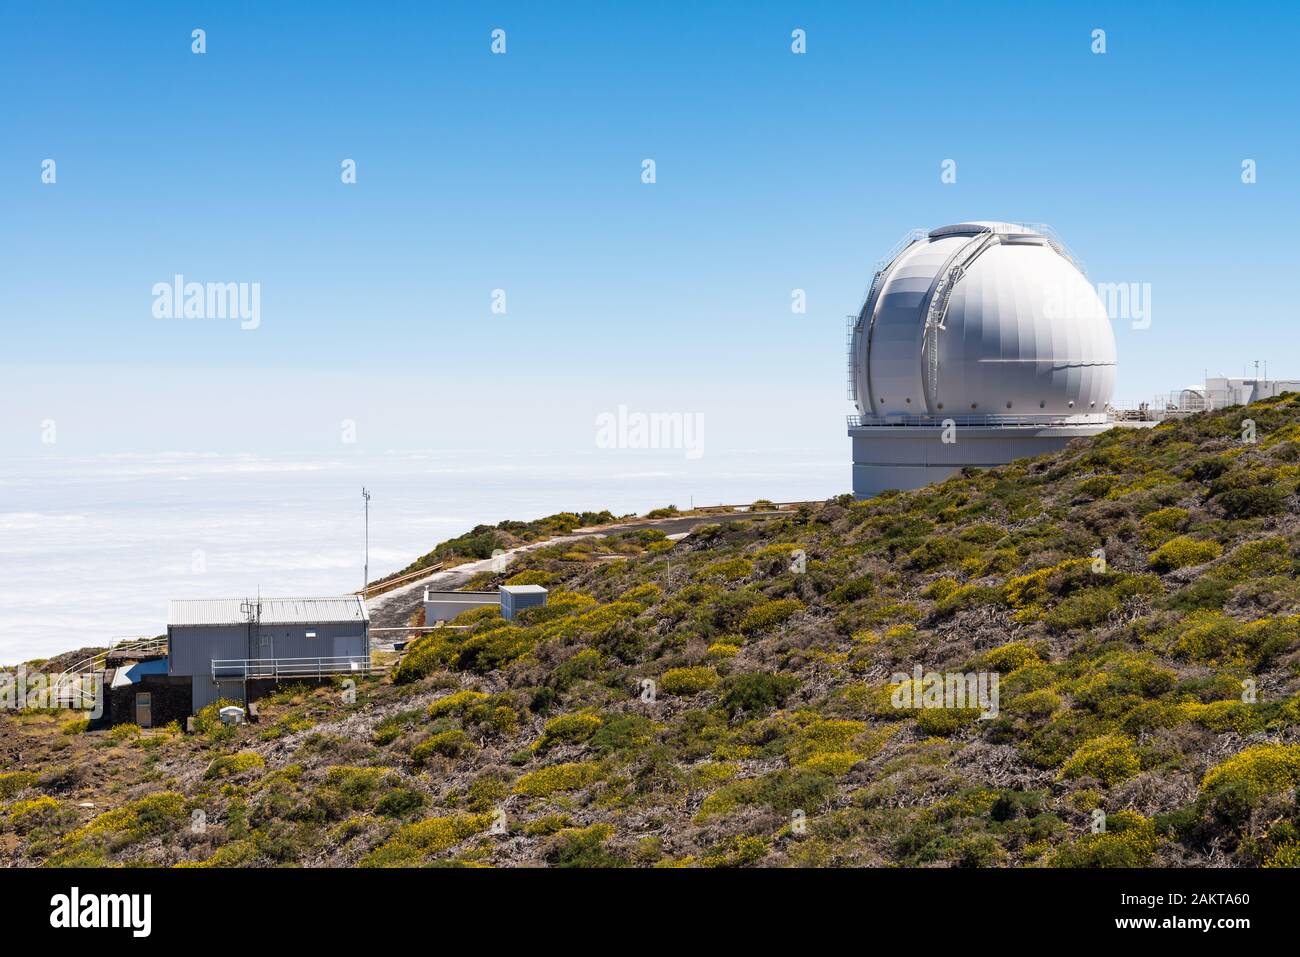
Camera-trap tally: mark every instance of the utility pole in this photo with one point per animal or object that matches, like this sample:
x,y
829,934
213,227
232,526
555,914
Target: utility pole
x,y
365,582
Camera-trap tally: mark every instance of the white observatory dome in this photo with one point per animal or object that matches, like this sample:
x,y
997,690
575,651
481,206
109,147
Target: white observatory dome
x,y
983,319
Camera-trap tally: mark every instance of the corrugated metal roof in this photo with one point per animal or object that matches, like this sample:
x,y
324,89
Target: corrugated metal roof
x,y
274,611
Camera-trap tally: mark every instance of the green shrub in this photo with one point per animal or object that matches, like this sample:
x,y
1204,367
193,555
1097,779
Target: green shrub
x,y
937,552
582,847
1012,655
12,783
155,815
728,569
24,816
945,721
1128,841
530,576
392,727
967,596
755,692
454,703
688,681
1259,770
647,593
486,651
449,744
124,732
1223,716
401,802
1259,557
1181,552
474,616
1211,637
548,824
1083,609
233,765
1109,758
1252,502
75,726
355,785
569,729
558,777
413,843
940,588
422,657
735,851
863,586
769,614
1162,524
1098,486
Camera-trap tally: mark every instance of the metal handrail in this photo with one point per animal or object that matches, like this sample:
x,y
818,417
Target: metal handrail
x,y
912,235
1054,240
938,419
244,668
139,646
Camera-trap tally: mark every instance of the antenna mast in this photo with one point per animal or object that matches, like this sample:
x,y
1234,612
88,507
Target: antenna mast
x,y
365,581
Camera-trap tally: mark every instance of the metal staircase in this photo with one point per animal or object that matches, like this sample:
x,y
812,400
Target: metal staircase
x,y
78,685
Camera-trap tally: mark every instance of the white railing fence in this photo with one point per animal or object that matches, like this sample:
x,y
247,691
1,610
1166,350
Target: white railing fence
x,y
242,669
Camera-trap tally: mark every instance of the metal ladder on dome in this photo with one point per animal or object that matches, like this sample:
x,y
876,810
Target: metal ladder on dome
x,y
951,274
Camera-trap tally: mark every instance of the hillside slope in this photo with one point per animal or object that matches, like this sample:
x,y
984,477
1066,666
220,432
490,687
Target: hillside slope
x,y
1135,595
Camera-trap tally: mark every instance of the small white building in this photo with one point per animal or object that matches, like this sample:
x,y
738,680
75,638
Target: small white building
x,y
1221,392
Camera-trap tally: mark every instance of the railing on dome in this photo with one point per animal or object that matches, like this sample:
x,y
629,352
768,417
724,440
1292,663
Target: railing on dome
x,y
851,370
939,419
911,236
1054,240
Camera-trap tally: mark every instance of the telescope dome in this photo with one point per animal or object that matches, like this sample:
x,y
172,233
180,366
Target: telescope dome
x,y
983,319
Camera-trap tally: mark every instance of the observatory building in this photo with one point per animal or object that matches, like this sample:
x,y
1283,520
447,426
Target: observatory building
x,y
977,344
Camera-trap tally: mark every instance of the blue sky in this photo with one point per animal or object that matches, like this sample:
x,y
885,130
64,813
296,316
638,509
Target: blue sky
x,y
522,172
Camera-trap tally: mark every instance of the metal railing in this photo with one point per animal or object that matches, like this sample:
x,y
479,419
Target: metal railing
x,y
911,236
241,669
1054,240
144,647
938,419
388,584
